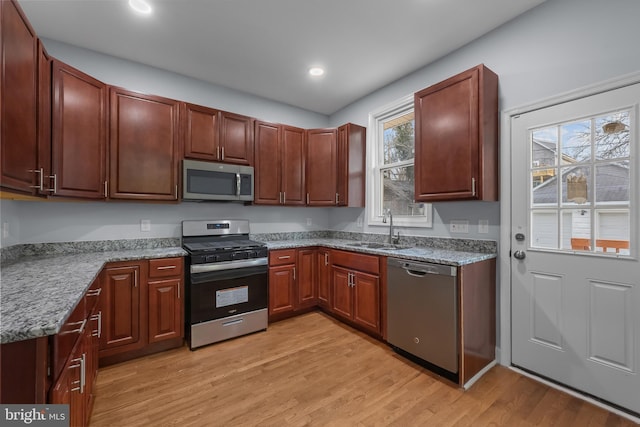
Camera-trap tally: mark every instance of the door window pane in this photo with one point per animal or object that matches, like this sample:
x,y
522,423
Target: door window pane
x,y
576,185
612,136
544,229
576,142
576,229
544,147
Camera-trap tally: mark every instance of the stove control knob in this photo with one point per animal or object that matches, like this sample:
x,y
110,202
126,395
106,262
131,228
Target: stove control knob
x,y
211,258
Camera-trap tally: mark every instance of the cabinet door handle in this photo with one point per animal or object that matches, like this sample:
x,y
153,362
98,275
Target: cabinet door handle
x,y
294,273
337,198
326,258
307,198
284,197
40,173
106,189
218,153
54,177
222,151
473,186
178,290
280,197
97,317
176,195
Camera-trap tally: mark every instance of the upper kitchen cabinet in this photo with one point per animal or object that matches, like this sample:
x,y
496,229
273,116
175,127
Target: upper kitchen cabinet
x,y
321,157
143,146
456,145
201,132
79,137
351,165
18,101
236,139
279,164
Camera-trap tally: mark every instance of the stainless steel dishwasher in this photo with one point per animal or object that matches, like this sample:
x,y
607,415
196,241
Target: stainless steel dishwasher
x,y
422,313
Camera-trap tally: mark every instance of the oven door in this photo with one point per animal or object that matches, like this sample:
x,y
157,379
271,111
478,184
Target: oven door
x,y
218,294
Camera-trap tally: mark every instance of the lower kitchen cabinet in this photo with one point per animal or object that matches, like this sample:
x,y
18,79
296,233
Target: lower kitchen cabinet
x,y
292,281
355,289
323,260
356,297
142,308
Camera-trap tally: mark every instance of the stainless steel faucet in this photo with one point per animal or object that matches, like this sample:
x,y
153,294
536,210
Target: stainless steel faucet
x,y
392,240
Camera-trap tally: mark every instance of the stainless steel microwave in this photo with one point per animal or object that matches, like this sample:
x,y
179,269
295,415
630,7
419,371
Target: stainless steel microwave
x,y
216,181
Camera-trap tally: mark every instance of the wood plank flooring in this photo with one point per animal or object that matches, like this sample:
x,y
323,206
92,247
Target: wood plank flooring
x,y
314,371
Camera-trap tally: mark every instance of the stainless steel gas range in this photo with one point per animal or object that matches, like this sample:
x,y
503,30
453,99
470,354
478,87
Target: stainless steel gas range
x,y
226,281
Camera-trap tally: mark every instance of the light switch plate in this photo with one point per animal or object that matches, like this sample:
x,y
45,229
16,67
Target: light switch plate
x,y
145,225
483,226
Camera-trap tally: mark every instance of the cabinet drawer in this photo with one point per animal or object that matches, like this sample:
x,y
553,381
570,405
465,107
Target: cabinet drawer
x,y
63,342
282,257
356,261
165,267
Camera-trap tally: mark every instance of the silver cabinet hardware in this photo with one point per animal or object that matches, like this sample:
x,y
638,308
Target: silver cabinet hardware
x,y
337,199
98,318
284,197
326,258
166,267
284,257
294,273
106,189
54,177
473,186
280,198
222,150
40,173
237,181
94,292
307,198
76,331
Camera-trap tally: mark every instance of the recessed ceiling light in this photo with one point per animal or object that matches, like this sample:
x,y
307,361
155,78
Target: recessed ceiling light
x,y
316,71
140,6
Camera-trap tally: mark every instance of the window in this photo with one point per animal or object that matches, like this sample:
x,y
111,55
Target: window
x,y
392,157
580,184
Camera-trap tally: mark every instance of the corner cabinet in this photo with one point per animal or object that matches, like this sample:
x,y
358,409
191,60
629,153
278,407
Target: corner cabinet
x,y
292,282
351,165
456,145
144,138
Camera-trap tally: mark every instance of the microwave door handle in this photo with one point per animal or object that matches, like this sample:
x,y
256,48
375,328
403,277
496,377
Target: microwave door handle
x,y
238,184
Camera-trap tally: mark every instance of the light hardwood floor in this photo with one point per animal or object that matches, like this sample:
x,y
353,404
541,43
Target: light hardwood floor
x,y
314,371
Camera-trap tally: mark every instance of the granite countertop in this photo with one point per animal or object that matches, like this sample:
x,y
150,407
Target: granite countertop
x,y
37,294
416,253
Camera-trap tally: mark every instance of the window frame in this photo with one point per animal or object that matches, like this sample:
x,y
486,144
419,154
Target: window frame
x,y
375,164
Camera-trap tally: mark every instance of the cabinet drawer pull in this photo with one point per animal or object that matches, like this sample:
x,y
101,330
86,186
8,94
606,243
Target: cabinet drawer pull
x,y
284,257
166,267
94,292
79,330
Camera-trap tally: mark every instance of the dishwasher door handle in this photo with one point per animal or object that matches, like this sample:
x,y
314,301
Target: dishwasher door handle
x,y
416,273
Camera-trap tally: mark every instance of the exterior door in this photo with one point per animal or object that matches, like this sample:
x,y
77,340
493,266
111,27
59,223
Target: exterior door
x,y
575,273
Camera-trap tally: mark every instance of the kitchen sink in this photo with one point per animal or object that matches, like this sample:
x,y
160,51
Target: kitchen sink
x,y
382,246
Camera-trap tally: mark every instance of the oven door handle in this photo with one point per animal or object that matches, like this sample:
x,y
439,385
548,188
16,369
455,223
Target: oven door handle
x,y
200,278
228,265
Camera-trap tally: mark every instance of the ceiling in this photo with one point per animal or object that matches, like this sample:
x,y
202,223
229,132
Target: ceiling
x,y
265,47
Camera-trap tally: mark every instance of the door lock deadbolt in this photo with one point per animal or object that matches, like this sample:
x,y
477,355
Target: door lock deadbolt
x,y
519,237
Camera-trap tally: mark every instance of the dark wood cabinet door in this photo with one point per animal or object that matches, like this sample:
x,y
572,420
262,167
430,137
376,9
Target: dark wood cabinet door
x,y
293,166
366,301
165,309
456,142
342,296
69,390
281,289
120,303
201,133
324,278
18,100
351,165
43,184
306,278
79,141
321,167
236,139
143,146
268,164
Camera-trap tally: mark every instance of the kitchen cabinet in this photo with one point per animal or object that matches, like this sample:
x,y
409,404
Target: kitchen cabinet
x,y
279,164
142,308
355,290
166,306
43,186
121,308
236,139
18,101
351,172
143,153
321,157
306,286
282,281
456,145
79,136
323,260
201,132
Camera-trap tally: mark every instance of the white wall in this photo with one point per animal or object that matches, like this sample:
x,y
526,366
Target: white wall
x,y
9,223
556,47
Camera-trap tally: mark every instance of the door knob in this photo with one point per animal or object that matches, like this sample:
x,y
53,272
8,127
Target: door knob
x,y
519,255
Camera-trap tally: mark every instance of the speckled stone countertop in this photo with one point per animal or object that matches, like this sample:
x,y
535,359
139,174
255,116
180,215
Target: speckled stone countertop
x,y
38,293
417,253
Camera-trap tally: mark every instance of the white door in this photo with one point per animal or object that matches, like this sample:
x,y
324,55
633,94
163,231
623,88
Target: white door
x,y
575,273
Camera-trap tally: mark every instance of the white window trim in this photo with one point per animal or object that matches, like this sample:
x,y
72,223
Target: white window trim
x,y
374,192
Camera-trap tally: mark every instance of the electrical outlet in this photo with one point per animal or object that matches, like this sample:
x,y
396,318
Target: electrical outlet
x,y
309,221
145,225
483,226
459,226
